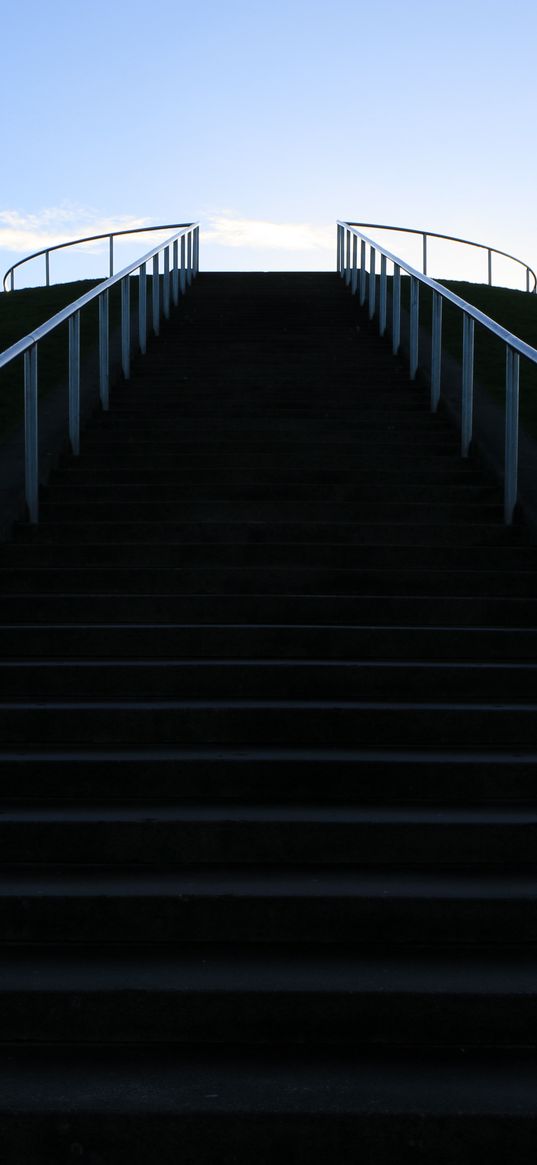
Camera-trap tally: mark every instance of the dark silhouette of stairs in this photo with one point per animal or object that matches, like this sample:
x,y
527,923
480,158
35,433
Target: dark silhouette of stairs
x,y
268,821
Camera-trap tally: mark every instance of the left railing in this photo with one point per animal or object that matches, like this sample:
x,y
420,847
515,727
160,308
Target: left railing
x,y
180,262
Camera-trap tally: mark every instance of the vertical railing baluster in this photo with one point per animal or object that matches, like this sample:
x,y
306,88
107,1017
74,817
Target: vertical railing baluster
x,y
354,282
175,272
126,327
348,259
197,251
47,269
512,379
111,256
436,353
183,266
189,259
372,283
142,309
490,266
74,383
166,290
104,350
156,296
363,273
383,295
31,445
12,280
396,309
424,253
414,325
527,279
339,263
467,407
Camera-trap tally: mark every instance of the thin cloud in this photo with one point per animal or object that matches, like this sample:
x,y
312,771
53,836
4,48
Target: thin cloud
x,y
226,230
56,224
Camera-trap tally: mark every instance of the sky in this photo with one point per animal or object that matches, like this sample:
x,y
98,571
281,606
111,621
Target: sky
x,y
266,121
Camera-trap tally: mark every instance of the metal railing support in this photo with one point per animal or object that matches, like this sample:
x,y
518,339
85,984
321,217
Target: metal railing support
x,y
74,383
142,309
396,309
354,281
156,295
512,380
126,327
31,446
363,273
424,253
414,325
175,273
467,403
47,269
383,295
348,259
111,256
104,351
183,266
490,266
436,351
166,285
372,283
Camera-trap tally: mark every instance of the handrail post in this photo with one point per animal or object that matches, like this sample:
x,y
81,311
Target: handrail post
x,y
183,265
383,295
142,309
74,383
104,350
512,380
372,283
436,352
31,447
111,264
339,264
196,251
126,327
527,279
348,259
156,296
189,259
175,273
490,266
467,407
47,269
396,309
166,288
363,273
12,279
354,281
414,325
424,253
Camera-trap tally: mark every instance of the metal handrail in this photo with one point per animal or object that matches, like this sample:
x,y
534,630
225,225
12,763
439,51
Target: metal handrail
x,y
177,277
110,235
374,226
354,272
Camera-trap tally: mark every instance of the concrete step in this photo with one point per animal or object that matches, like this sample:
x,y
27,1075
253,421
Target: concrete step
x,y
318,1104
218,994
333,775
152,835
268,679
265,904
360,724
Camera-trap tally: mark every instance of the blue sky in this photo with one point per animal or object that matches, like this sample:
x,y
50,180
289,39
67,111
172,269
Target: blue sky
x,y
267,120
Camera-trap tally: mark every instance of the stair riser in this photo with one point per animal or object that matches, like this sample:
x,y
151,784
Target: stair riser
x,y
199,843
267,681
277,779
356,726
131,1016
144,917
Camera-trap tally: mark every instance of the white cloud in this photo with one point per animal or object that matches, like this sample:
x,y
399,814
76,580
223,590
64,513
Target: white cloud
x,y
21,232
227,230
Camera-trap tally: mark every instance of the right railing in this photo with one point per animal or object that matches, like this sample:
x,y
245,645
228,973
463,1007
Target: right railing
x,y
357,264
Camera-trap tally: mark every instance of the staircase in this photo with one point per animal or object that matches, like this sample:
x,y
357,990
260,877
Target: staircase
x,y
269,739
